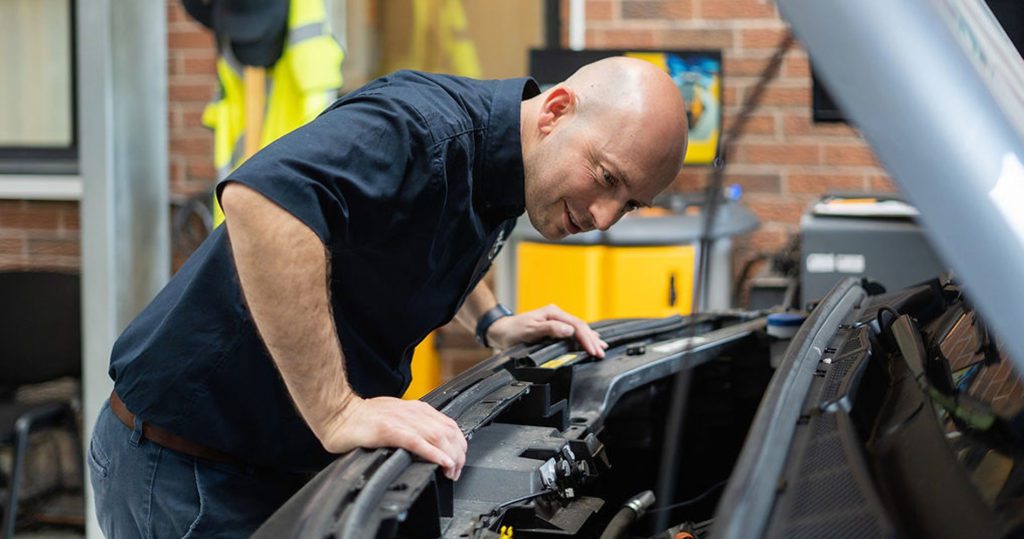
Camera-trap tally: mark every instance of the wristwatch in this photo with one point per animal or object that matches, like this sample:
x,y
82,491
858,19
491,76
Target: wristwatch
x,y
490,317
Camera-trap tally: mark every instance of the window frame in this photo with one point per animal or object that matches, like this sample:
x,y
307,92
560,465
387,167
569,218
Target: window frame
x,y
54,169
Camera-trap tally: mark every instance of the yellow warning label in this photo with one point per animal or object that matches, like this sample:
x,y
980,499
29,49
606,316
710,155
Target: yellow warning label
x,y
561,360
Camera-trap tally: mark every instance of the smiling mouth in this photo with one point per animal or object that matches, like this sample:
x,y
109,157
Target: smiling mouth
x,y
574,227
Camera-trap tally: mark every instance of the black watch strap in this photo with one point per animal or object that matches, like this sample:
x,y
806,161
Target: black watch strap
x,y
490,317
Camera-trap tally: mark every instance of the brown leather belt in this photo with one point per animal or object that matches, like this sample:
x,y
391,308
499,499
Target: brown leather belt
x,y
168,439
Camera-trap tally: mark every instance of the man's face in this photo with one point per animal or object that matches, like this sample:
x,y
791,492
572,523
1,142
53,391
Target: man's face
x,y
582,177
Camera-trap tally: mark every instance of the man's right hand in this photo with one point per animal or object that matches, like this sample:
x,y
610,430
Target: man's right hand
x,y
283,268
389,422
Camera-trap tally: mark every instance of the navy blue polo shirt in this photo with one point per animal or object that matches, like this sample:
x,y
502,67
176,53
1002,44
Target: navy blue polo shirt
x,y
411,182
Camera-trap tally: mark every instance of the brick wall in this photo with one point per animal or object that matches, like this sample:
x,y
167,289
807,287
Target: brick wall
x,y
782,160
192,80
39,235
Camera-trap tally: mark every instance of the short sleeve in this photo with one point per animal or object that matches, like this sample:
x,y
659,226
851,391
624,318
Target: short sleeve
x,y
341,173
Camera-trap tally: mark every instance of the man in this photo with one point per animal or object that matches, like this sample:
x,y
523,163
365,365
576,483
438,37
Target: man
x,y
283,340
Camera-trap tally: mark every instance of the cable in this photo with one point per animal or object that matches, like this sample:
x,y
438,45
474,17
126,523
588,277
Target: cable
x,y
484,522
631,511
692,501
713,192
521,499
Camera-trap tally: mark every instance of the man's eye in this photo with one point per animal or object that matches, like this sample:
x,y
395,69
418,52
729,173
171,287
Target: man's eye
x,y
608,178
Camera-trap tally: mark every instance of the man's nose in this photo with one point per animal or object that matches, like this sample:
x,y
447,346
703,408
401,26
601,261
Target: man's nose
x,y
605,213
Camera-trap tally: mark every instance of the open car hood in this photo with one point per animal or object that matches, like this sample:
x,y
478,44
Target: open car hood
x,y
846,429
937,89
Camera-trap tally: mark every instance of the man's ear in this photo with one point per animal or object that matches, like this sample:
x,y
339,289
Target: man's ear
x,y
557,105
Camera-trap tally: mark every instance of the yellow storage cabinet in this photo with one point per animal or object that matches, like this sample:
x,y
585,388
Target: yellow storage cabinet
x,y
644,266
597,282
648,281
569,275
426,369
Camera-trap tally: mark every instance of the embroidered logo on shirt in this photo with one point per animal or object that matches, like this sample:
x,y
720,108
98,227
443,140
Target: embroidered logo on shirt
x,y
498,244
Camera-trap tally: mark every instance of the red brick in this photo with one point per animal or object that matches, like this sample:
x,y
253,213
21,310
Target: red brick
x,y
762,38
883,184
691,180
800,124
731,96
176,170
173,118
70,219
768,238
743,67
200,65
780,154
11,205
175,12
51,262
193,146
737,9
1016,397
849,154
190,39
757,124
51,205
616,38
14,262
189,91
797,66
174,66
785,96
685,38
12,246
198,169
601,10
32,218
1002,372
53,247
777,209
755,183
822,183
655,9
190,132
190,186
192,118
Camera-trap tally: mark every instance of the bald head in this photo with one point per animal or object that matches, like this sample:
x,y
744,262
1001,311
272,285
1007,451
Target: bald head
x,y
603,142
638,100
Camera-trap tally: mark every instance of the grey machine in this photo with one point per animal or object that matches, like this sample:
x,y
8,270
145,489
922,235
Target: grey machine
x,y
876,237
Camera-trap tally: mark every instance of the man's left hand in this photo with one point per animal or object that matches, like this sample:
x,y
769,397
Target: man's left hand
x,y
545,322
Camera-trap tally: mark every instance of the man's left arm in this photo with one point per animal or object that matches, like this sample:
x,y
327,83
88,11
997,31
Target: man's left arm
x,y
531,326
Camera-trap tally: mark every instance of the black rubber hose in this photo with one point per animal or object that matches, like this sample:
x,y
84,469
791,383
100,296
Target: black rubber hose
x,y
631,511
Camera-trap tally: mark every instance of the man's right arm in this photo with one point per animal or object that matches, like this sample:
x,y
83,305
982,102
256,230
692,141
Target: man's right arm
x,y
283,269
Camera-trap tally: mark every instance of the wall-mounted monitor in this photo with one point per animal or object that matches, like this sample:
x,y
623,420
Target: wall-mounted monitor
x,y
698,74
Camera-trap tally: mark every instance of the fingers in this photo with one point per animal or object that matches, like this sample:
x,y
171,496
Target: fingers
x,y
414,426
438,431
588,338
444,433
549,321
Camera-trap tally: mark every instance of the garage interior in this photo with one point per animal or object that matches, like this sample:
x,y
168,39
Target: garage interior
x,y
109,161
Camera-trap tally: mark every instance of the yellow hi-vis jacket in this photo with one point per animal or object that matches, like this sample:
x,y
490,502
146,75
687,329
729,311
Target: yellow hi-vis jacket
x,y
299,86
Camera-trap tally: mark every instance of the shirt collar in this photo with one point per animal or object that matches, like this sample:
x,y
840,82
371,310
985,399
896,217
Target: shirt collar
x,y
502,185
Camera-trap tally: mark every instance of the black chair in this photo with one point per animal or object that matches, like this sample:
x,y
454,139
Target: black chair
x,y
40,341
